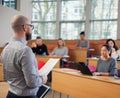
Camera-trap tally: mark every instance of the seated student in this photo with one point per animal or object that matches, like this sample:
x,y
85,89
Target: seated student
x,y
114,48
60,50
83,43
106,66
39,48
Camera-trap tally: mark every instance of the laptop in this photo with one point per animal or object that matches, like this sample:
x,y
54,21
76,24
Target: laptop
x,y
84,69
43,90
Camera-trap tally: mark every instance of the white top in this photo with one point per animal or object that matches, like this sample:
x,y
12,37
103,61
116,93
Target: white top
x,y
116,54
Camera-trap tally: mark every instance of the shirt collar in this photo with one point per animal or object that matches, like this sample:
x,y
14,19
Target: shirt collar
x,y
22,40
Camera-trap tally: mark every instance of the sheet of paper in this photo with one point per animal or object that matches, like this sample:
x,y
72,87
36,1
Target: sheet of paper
x,y
48,66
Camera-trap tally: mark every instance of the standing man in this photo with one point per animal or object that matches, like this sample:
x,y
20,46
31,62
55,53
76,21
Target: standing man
x,y
19,63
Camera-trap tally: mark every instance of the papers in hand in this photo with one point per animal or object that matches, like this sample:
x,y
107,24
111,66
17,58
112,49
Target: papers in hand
x,y
48,66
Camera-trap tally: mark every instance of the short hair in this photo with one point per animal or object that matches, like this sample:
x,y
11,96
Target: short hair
x,y
18,21
60,39
82,33
38,37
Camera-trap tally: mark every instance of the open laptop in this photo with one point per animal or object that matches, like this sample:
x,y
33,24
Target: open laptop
x,y
84,69
42,91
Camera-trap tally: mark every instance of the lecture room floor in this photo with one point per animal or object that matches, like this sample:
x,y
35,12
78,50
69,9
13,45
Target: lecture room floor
x,y
4,90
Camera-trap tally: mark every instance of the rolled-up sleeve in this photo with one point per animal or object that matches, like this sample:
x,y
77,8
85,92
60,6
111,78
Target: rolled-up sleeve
x,y
29,68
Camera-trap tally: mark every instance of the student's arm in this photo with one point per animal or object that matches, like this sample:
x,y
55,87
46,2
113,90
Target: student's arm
x,y
113,68
53,52
78,43
88,45
29,68
66,51
114,55
46,50
96,73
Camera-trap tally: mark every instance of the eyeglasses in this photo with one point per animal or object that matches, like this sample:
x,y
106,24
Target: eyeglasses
x,y
32,26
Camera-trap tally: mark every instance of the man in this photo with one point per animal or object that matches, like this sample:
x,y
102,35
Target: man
x,y
39,48
82,42
19,64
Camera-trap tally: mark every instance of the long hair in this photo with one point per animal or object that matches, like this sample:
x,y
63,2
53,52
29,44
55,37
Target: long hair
x,y
115,46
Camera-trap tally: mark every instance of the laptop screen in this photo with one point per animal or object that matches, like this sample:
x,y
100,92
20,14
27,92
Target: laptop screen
x,y
84,68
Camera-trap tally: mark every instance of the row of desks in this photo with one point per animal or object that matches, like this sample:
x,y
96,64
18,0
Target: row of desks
x,y
78,85
82,86
76,54
93,62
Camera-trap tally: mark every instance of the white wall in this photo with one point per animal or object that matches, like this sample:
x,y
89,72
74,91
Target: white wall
x,y
6,14
5,29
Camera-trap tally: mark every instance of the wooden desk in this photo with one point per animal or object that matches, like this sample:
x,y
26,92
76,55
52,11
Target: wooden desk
x,y
46,58
78,54
1,72
4,86
1,49
81,86
93,62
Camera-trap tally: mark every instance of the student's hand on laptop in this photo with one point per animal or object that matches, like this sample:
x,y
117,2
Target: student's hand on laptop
x,y
45,79
96,74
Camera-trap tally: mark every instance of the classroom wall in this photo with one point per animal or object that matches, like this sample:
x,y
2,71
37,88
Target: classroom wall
x,y
24,7
5,28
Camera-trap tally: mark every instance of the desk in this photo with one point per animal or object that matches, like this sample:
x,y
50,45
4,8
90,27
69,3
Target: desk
x,y
82,86
1,72
4,86
46,58
1,49
93,62
78,54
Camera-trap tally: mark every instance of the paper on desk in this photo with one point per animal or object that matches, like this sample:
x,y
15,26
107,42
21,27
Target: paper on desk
x,y
48,66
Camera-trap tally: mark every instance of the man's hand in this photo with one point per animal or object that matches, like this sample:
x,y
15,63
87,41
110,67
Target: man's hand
x,y
45,79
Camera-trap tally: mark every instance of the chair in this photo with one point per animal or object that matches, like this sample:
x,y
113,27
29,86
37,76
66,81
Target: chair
x,y
40,64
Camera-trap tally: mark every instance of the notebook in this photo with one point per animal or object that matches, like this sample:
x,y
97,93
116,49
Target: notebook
x,y
48,66
42,91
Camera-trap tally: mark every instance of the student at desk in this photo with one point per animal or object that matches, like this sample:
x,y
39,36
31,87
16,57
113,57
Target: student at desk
x,y
114,49
83,43
61,50
106,65
39,48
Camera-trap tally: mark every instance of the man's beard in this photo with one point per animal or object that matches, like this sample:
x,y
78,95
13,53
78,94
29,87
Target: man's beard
x,y
28,36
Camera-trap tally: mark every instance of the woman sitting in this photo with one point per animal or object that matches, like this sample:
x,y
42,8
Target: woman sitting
x,y
114,49
61,50
106,66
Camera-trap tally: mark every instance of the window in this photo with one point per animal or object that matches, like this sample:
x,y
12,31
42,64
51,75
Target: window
x,y
104,14
9,3
67,18
72,18
44,19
